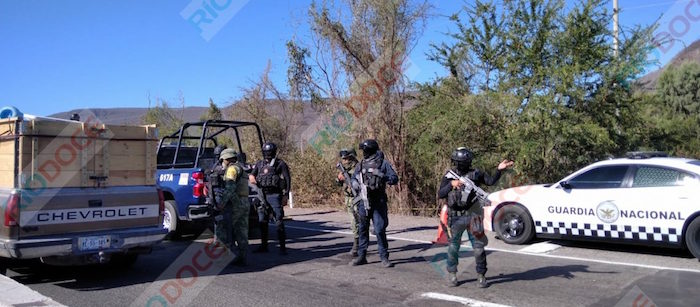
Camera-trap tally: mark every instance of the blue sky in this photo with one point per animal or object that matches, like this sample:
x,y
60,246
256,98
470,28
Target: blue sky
x,y
61,55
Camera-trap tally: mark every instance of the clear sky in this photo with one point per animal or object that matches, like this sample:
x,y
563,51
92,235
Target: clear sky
x,y
61,55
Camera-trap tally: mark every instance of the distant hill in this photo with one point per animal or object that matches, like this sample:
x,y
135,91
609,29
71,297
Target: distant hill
x,y
688,54
133,116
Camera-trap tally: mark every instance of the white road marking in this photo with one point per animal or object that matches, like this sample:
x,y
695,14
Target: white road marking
x,y
654,267
540,248
459,299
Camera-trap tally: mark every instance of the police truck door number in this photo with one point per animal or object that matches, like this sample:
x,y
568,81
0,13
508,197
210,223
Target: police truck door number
x,y
166,177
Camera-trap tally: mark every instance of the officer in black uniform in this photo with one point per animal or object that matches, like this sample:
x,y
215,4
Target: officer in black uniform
x,y
271,175
375,173
214,194
466,215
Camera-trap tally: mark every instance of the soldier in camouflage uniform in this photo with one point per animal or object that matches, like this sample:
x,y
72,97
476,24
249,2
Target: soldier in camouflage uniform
x,y
236,199
348,162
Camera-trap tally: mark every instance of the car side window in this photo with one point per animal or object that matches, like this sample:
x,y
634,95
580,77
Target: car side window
x,y
605,177
652,176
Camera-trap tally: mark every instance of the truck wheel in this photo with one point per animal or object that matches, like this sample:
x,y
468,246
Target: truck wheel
x,y
513,225
692,237
170,220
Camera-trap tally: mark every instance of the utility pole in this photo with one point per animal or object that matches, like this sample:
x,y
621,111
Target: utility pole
x,y
616,42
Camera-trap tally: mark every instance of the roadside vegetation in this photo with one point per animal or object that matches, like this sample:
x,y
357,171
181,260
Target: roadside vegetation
x,y
531,81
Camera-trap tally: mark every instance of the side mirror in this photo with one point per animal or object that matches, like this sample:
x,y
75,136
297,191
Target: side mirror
x,y
565,185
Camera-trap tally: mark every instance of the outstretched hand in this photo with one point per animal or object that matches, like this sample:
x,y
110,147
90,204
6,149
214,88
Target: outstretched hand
x,y
505,164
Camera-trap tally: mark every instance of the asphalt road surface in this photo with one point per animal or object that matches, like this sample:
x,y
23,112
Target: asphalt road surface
x,y
316,273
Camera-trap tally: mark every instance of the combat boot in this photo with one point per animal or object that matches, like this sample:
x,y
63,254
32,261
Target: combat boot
x,y
386,263
239,261
282,237
481,281
360,260
263,240
353,250
452,279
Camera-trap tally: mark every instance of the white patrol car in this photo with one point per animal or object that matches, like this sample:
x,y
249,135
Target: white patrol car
x,y
646,199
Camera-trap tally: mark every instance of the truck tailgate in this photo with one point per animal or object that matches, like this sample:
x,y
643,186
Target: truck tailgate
x,y
62,211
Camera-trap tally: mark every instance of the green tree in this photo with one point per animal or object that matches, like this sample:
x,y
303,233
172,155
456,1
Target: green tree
x,y
533,81
679,89
359,48
213,112
673,113
163,117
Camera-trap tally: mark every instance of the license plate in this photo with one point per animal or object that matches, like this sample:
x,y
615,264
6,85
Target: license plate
x,y
92,243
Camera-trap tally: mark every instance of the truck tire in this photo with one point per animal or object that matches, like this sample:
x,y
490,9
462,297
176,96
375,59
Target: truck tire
x,y
170,220
692,237
513,225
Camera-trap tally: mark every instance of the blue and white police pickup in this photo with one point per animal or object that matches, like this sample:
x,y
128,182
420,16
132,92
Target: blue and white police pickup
x,y
183,159
645,199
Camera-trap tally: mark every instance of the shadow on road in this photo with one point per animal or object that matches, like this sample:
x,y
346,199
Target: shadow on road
x,y
412,229
564,271
313,213
148,268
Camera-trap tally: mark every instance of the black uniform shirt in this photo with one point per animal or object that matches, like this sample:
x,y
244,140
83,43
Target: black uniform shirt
x,y
477,176
280,168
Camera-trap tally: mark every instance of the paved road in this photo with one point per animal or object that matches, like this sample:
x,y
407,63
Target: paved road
x,y
316,273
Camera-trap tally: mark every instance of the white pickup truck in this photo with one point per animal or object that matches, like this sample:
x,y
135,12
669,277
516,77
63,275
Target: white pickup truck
x,y
76,192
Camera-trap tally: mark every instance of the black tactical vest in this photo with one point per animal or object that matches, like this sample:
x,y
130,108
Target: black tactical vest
x,y
372,174
268,178
215,186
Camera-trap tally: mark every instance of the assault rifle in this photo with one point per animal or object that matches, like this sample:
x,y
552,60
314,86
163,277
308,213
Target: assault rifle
x,y
360,196
347,178
363,195
468,186
260,202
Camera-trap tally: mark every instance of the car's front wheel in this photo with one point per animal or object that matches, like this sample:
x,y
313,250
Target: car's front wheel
x,y
513,224
692,237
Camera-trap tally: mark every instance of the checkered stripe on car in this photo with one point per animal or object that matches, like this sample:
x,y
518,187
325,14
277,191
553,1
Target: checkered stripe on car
x,y
640,233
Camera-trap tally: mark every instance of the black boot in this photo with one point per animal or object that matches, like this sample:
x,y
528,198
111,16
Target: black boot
x,y
353,251
263,239
282,237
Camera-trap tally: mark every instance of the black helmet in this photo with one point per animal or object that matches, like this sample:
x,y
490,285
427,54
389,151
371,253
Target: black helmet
x,y
369,147
347,153
462,159
462,154
269,150
218,149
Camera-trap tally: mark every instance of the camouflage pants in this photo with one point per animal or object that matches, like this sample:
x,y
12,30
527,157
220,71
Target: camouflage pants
x,y
352,210
239,227
222,226
472,224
